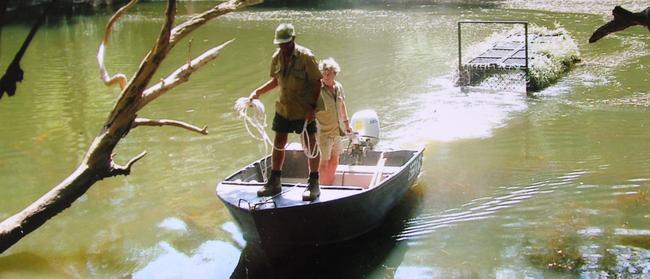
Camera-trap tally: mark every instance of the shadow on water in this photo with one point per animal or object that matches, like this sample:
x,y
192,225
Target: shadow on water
x,y
351,259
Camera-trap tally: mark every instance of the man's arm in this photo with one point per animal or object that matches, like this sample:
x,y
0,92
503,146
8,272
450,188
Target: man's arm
x,y
311,115
315,76
266,87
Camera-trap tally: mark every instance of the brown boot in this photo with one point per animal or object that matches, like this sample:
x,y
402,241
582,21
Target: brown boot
x,y
272,187
313,190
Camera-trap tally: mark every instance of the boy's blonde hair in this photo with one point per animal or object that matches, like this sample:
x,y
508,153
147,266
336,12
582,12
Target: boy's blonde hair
x,y
329,63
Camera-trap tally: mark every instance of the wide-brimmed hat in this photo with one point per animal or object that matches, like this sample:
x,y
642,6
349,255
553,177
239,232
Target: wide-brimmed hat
x,y
284,33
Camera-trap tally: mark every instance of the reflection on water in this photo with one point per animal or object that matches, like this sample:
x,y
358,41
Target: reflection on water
x,y
212,257
445,113
376,253
509,186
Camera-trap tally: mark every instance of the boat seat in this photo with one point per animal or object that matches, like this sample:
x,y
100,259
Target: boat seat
x,y
354,176
351,180
364,169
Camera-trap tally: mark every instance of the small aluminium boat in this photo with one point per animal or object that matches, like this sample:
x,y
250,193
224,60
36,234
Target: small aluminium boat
x,y
368,184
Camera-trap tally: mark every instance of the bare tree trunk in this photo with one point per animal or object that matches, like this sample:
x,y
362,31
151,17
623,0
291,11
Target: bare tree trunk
x,y
98,161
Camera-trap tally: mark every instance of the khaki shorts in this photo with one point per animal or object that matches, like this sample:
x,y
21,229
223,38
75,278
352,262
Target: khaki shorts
x,y
283,125
329,145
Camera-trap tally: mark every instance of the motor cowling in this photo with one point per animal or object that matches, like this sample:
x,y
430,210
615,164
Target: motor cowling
x,y
365,124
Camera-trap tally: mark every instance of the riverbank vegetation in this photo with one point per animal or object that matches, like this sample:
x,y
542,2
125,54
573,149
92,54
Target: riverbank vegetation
x,y
554,56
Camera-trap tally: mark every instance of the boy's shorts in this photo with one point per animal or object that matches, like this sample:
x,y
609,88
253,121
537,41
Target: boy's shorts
x,y
283,125
329,145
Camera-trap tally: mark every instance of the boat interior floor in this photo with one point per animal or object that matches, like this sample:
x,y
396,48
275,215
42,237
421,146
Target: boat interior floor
x,y
291,195
350,178
354,179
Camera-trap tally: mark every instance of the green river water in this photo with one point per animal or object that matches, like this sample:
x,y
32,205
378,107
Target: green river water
x,y
554,185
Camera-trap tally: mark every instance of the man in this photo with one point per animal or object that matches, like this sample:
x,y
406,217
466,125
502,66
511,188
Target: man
x,y
295,70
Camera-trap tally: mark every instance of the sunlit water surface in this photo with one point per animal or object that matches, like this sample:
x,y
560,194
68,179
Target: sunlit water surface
x,y
507,180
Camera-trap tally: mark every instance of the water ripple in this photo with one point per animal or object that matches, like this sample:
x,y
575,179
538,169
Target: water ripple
x,y
483,208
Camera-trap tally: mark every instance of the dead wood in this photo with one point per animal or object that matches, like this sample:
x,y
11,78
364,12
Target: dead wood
x,y
622,20
98,163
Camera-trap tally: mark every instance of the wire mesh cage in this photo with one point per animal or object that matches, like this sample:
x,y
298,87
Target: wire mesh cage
x,y
494,78
510,56
499,62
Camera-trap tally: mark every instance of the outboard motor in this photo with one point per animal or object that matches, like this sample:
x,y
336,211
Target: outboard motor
x,y
366,124
365,133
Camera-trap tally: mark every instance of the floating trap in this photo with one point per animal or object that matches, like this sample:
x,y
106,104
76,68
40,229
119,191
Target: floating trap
x,y
515,59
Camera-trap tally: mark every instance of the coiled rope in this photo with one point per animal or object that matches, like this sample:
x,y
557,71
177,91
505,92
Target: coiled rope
x,y
258,122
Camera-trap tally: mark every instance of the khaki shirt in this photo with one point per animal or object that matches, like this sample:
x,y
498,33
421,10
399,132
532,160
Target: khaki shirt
x,y
296,78
329,109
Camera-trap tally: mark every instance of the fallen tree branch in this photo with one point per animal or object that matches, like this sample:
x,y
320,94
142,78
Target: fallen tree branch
x,y
622,20
181,75
168,122
195,22
56,200
103,73
97,163
127,105
126,169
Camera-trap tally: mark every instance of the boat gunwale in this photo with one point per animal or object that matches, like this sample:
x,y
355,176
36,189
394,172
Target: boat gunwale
x,y
362,191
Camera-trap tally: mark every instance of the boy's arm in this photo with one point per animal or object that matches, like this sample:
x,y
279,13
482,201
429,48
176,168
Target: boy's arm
x,y
344,116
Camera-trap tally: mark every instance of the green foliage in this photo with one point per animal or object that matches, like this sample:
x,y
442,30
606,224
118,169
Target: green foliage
x,y
553,56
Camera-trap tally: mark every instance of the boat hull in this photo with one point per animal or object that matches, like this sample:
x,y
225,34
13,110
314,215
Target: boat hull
x,y
321,222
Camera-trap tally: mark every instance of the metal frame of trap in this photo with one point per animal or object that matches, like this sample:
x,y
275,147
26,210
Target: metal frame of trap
x,y
501,64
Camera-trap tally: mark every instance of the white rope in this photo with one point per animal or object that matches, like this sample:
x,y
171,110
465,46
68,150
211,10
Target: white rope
x,y
258,122
306,144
